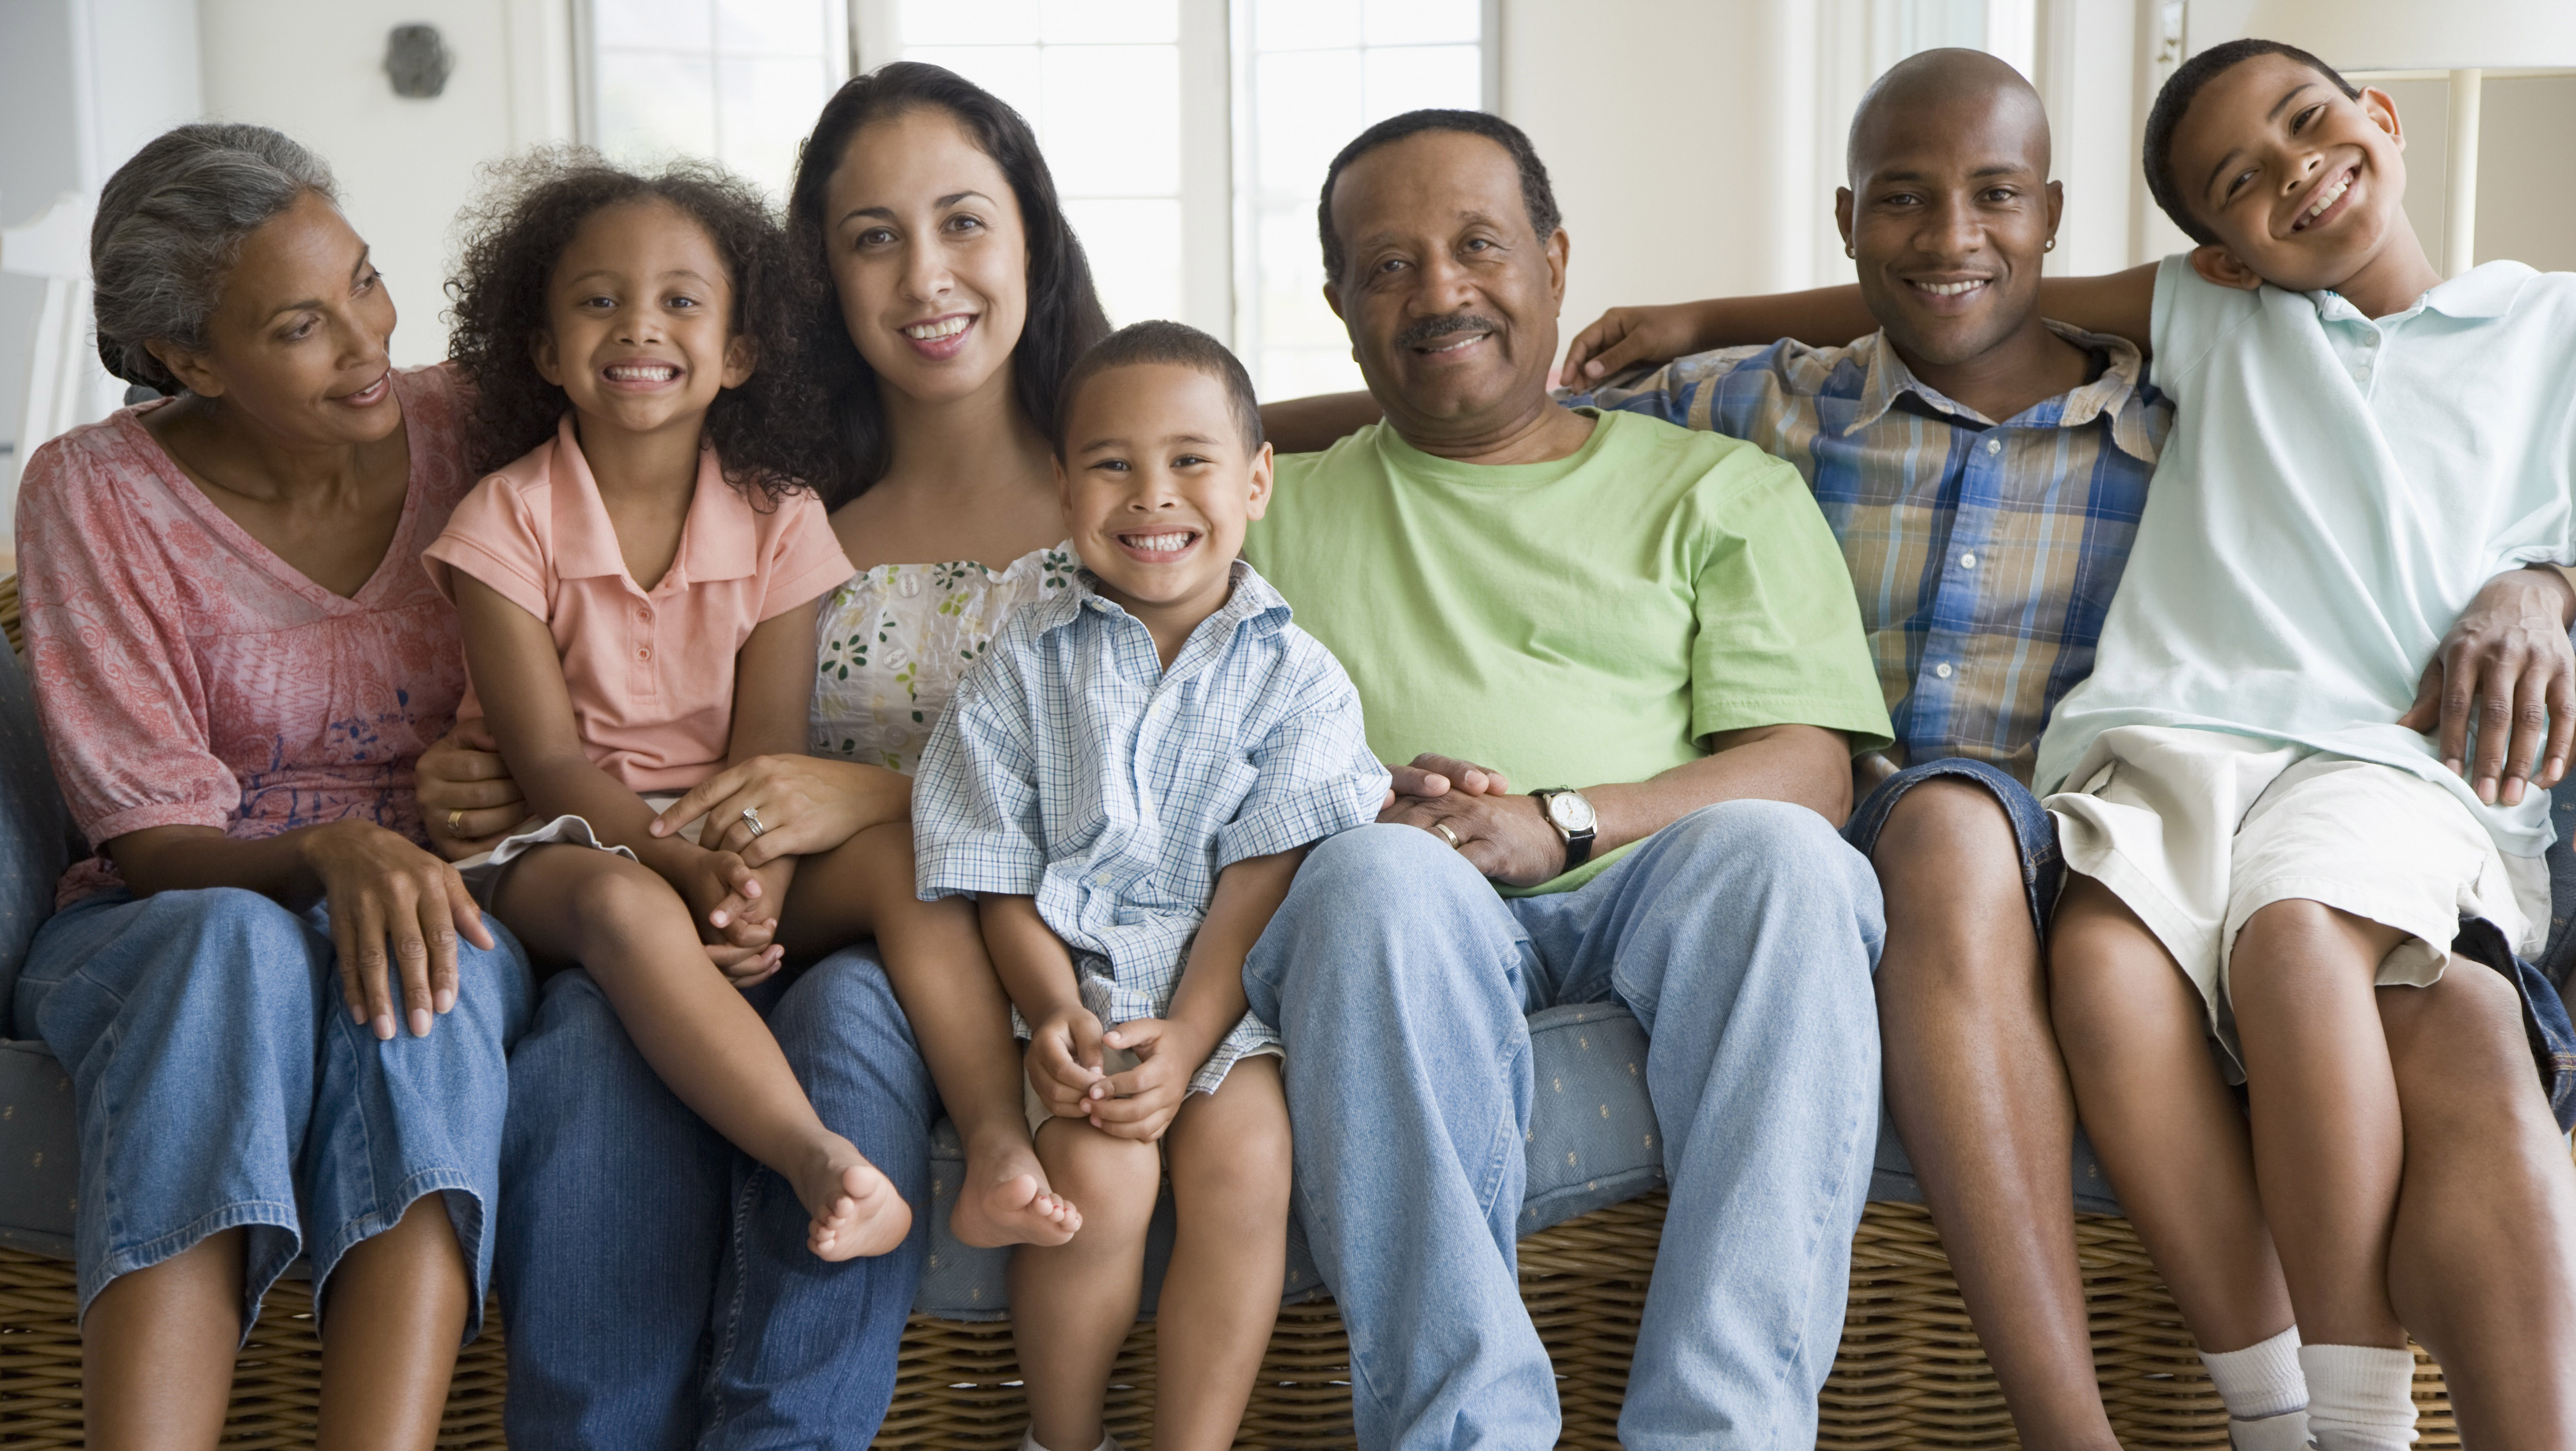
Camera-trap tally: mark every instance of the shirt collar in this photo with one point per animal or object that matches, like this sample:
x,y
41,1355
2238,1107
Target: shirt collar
x,y
719,540
2483,291
2117,393
1250,600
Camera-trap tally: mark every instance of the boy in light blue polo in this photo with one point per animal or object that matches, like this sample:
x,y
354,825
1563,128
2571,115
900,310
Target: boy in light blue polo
x,y
2360,446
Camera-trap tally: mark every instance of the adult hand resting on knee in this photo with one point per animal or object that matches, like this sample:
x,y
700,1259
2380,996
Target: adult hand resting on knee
x,y
1504,837
2507,662
391,903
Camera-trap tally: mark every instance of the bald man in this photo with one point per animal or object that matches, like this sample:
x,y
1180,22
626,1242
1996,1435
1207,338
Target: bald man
x,y
1983,468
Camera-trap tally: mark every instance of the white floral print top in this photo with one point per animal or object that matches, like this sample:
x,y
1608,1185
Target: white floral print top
x,y
893,640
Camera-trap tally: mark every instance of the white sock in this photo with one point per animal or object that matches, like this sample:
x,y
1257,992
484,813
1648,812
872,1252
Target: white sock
x,y
1029,1442
2360,1397
2262,1380
2266,1396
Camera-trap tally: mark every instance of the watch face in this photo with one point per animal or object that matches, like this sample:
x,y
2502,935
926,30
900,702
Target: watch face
x,y
1570,812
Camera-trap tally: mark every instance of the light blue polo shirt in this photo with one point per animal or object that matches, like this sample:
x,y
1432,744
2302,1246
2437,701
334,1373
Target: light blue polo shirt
x,y
2334,493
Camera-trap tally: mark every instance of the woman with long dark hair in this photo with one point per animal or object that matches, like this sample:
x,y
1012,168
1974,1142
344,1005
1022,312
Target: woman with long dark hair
x,y
957,300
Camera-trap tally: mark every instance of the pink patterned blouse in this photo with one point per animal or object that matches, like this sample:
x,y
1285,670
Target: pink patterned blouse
x,y
186,675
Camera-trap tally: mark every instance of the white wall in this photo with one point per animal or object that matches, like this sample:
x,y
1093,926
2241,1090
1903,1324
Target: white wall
x,y
316,72
1695,148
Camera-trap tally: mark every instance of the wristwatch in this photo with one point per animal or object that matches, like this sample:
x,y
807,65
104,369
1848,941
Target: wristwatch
x,y
1571,815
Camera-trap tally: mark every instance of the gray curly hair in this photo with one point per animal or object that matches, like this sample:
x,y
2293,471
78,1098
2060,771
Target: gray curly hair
x,y
170,226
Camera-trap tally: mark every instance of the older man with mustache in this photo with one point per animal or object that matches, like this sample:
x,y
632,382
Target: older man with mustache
x,y
1654,627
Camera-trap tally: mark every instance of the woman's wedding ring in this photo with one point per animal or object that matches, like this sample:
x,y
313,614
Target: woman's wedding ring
x,y
751,818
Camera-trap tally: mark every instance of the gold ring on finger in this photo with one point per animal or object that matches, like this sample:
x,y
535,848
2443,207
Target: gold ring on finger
x,y
1447,835
456,822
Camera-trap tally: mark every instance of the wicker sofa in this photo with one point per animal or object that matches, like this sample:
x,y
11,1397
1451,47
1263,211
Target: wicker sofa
x,y
1909,1371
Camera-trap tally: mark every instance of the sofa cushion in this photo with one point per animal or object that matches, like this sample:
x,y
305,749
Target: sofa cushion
x,y
34,846
39,1151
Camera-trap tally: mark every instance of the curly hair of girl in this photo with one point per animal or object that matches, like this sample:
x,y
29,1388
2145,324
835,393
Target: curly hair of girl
x,y
770,433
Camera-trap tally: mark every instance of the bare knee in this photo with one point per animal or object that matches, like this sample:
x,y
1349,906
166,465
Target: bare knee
x,y
2097,950
2458,1047
1234,1167
1958,906
1114,1181
617,903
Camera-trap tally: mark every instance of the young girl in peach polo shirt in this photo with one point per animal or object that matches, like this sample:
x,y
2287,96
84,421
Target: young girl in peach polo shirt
x,y
636,593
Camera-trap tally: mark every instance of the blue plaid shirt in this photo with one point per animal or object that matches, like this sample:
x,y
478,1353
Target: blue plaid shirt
x,y
1071,767
1984,553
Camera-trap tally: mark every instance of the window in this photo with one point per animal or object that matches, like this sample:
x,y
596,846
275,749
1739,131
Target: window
x,y
1188,137
738,81
1309,76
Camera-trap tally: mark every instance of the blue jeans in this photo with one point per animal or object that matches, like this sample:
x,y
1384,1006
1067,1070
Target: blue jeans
x,y
1743,937
658,1288
220,1085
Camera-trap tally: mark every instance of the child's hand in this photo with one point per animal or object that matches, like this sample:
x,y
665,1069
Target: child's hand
x,y
717,886
746,967
1064,1062
756,904
1141,1101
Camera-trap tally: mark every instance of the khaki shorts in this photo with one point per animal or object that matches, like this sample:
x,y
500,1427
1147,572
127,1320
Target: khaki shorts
x,y
2197,830
1117,1061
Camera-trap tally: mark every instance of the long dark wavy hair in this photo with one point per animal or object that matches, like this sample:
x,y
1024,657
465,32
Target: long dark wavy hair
x,y
1064,316
767,433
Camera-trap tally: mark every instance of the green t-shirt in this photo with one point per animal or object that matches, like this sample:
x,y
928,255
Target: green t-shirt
x,y
1587,620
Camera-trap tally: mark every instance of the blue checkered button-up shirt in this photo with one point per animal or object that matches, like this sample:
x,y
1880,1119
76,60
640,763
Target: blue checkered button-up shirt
x,y
1071,767
1984,553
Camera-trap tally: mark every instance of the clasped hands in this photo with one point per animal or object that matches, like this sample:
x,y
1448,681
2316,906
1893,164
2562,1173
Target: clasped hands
x,y
806,804
1065,1067
1505,837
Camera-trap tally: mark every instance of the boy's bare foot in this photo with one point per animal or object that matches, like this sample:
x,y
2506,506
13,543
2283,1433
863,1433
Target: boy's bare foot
x,y
856,1211
1005,1200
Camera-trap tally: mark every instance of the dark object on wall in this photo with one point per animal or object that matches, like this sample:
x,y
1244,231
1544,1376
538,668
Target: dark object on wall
x,y
418,59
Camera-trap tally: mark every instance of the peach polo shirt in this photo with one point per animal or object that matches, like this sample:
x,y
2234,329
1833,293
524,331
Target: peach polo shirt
x,y
650,672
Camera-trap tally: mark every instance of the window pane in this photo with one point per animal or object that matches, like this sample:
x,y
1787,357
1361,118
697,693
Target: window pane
x,y
1299,372
1008,71
1309,108
948,22
771,27
1113,119
1397,81
1108,22
676,24
1424,22
1291,259
652,107
1135,252
1305,24
765,107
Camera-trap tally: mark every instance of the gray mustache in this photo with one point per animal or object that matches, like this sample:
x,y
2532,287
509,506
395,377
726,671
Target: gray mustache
x,y
1432,329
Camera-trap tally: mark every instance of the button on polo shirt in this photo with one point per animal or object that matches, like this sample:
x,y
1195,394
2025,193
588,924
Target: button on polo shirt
x,y
650,672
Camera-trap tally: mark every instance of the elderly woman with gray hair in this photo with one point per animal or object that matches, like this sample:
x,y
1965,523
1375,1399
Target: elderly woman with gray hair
x,y
284,1019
